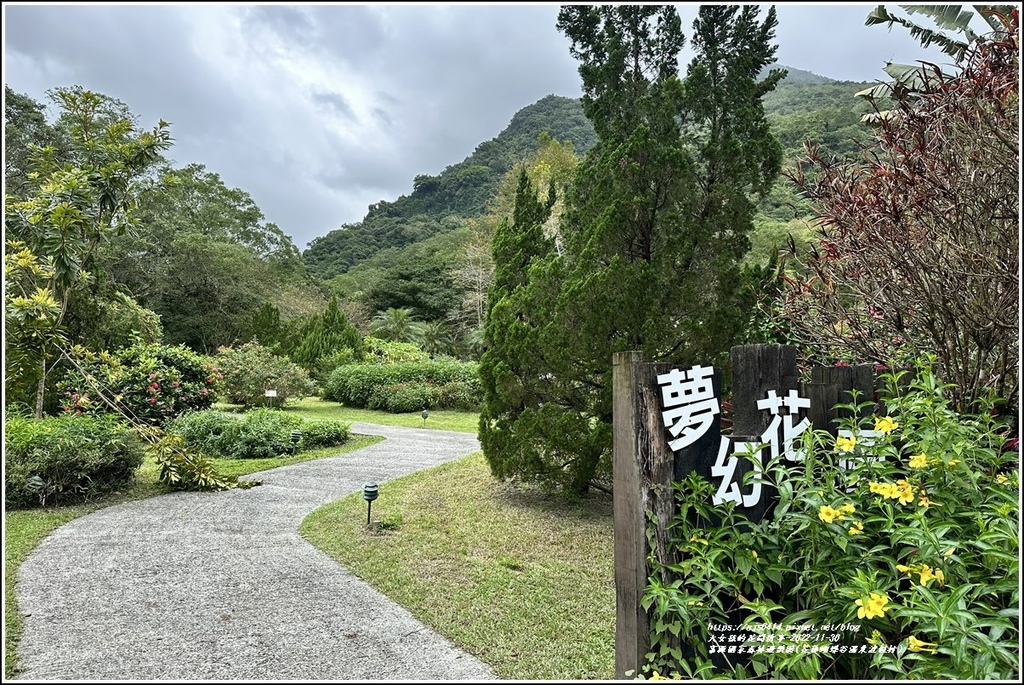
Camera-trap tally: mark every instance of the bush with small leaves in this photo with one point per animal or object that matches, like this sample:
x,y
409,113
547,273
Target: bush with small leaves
x,y
323,434
66,459
251,370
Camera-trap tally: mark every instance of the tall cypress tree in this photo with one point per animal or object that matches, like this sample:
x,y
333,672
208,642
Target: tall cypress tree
x,y
654,226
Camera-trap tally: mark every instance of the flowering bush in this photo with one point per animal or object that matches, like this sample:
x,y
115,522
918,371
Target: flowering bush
x,y
903,564
149,382
250,370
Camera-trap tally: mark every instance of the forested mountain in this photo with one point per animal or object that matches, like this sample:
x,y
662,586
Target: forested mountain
x,y
461,190
804,106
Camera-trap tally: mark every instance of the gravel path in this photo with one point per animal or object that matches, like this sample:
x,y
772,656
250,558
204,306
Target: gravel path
x,y
220,586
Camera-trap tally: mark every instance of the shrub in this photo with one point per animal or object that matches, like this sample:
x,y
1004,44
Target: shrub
x,y
260,434
187,470
250,370
149,382
405,387
66,459
323,434
390,352
914,551
205,431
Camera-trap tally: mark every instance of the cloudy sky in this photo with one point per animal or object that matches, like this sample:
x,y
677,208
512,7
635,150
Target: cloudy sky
x,y
320,110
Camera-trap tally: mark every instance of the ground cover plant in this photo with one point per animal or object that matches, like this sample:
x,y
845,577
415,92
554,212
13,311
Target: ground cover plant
x,y
521,578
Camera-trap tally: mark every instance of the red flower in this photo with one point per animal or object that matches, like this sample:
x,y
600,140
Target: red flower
x,y
154,387
152,376
152,400
175,384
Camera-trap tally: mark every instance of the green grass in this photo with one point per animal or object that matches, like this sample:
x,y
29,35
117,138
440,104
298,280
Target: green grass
x,y
25,529
521,579
316,408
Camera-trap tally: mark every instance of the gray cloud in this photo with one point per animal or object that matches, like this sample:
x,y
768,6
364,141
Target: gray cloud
x,y
320,110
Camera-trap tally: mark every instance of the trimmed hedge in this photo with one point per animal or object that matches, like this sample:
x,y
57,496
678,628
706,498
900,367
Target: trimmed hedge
x,y
406,387
260,434
67,459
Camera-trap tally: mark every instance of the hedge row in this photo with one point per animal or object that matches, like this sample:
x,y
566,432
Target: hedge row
x,y
259,434
406,387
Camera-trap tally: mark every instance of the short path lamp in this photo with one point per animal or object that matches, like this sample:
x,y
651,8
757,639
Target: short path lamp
x,y
425,414
296,436
369,494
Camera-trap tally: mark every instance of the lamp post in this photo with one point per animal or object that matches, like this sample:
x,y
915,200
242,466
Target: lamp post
x,y
296,436
369,494
425,414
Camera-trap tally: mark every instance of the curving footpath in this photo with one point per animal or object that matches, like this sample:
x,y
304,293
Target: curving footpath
x,y
220,586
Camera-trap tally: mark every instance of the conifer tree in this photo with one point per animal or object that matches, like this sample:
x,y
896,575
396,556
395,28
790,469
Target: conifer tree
x,y
654,227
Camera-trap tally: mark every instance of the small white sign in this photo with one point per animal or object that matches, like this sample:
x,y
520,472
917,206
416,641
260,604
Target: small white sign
x,y
270,393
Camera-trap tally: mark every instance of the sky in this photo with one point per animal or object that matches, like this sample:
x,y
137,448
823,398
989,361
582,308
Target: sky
x,y
318,111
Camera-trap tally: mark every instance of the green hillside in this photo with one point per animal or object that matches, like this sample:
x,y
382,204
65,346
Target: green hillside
x,y
805,106
461,190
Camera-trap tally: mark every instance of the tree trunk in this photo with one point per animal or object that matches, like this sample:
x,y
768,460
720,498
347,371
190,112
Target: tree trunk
x,y
40,391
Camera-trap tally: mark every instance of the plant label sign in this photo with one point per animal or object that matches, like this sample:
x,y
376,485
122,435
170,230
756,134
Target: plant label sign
x,y
689,408
270,393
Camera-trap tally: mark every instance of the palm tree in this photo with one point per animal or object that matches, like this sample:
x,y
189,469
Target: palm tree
x,y
397,325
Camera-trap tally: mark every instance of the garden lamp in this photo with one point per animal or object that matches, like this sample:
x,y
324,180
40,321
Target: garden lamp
x,y
425,414
296,436
369,494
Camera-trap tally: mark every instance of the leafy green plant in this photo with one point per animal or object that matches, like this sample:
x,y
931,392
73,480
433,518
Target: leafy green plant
x,y
905,564
149,382
323,434
66,459
188,470
252,369
406,386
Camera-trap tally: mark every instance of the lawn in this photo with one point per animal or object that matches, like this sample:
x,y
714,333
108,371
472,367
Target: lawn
x,y
520,578
440,419
26,528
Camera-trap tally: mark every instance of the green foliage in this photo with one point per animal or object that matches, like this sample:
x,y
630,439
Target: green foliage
x,y
185,470
66,459
326,340
463,189
397,325
259,434
916,546
646,254
323,434
251,369
389,352
146,382
407,386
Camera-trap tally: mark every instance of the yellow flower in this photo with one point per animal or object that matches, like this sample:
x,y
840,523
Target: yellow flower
x,y
885,425
875,605
827,514
949,552
857,528
846,444
1001,479
887,490
847,509
753,554
921,646
925,502
902,567
928,574
954,462
918,461
905,493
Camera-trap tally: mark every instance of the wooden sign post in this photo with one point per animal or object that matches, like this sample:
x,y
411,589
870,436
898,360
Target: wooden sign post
x,y
666,424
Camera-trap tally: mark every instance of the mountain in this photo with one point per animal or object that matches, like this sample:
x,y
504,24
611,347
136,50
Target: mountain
x,y
803,106
461,190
